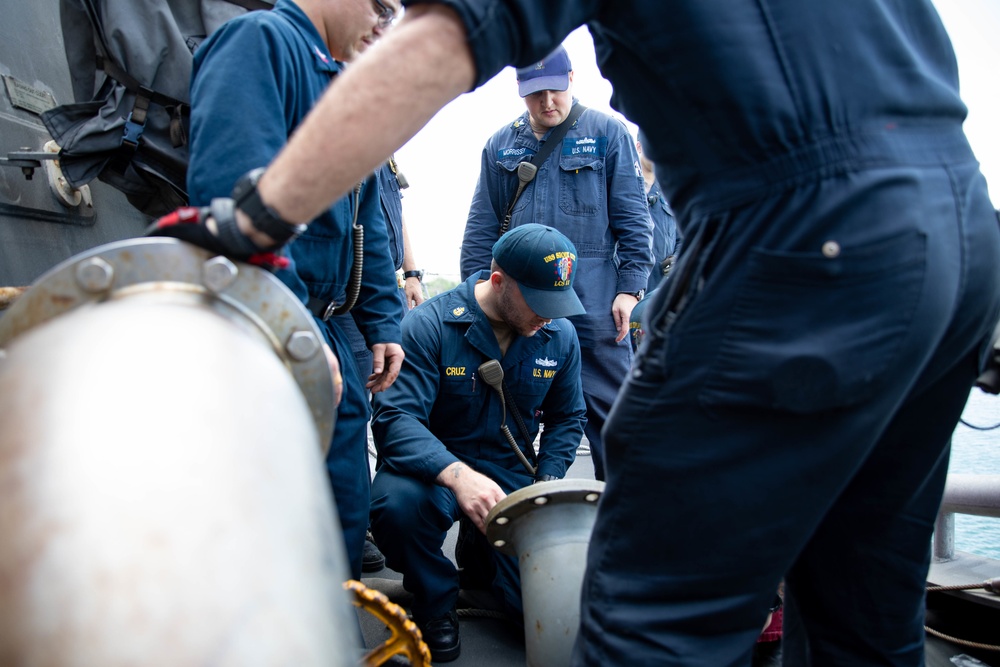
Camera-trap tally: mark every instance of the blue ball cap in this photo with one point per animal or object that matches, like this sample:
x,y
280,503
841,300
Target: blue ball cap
x,y
549,74
543,262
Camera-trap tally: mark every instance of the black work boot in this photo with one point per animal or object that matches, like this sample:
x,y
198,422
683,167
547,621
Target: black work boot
x,y
441,636
372,559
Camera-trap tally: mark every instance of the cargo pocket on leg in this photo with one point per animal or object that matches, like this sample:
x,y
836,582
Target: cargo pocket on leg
x,y
818,330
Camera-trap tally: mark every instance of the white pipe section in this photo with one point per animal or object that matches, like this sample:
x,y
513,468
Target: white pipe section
x,y
162,496
547,526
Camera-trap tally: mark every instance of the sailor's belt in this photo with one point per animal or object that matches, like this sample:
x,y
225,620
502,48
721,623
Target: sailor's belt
x,y
322,309
400,280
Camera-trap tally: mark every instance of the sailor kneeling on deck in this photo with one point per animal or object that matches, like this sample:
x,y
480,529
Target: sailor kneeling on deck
x,y
438,428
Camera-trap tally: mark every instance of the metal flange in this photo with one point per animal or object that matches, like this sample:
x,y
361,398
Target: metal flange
x,y
503,516
247,295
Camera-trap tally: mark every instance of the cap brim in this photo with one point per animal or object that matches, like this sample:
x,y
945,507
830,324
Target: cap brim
x,y
552,304
556,82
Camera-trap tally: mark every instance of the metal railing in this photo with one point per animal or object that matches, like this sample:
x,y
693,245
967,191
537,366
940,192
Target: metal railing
x,y
978,495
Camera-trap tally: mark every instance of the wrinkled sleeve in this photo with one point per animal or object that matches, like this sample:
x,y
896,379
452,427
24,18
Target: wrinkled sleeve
x,y
482,229
628,212
402,412
392,209
515,32
225,142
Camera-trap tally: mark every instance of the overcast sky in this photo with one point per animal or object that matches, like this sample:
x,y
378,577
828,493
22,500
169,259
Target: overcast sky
x,y
442,161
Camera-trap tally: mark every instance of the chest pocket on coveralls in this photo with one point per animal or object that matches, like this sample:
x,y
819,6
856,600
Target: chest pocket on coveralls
x,y
581,184
534,380
510,183
462,396
459,381
532,384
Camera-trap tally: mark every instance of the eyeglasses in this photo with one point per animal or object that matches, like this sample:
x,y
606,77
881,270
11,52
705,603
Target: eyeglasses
x,y
386,15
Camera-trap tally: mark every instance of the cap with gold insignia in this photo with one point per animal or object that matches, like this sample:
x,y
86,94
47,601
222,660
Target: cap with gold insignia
x,y
543,262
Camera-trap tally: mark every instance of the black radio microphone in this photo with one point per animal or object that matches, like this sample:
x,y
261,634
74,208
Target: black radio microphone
x,y
491,373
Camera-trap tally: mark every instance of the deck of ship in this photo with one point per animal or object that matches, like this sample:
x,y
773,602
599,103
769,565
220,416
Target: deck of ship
x,y
491,642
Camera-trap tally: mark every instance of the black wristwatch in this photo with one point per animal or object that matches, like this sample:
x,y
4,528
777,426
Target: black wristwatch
x,y
265,219
419,275
638,295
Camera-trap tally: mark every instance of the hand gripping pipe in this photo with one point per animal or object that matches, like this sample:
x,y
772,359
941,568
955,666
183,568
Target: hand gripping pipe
x,y
547,527
163,500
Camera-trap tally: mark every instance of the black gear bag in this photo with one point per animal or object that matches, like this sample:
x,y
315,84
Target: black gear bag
x,y
130,64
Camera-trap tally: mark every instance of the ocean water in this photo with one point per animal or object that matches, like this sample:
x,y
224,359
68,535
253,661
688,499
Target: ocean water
x,y
977,452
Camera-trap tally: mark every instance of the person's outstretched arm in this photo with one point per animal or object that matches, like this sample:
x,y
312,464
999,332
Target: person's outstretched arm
x,y
397,87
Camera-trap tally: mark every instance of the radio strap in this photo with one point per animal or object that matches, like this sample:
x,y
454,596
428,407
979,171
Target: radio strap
x,y
521,426
526,170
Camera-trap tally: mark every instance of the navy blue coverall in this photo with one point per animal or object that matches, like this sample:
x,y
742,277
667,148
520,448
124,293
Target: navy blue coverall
x,y
438,412
664,234
254,80
392,210
831,309
591,189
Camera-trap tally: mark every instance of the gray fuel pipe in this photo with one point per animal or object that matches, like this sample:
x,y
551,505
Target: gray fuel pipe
x,y
163,501
547,526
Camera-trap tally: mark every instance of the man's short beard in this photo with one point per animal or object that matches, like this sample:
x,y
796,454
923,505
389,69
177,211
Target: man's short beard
x,y
504,309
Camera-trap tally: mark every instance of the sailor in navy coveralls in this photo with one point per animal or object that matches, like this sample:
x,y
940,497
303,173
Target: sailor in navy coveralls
x,y
665,243
589,188
832,307
833,304
254,80
438,426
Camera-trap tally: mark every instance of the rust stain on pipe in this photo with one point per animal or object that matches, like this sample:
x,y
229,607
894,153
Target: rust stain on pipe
x,y
9,294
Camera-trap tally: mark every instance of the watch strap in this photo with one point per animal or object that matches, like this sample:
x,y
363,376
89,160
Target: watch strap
x,y
638,295
265,219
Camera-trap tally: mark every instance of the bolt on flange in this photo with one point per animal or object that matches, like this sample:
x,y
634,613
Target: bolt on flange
x,y
94,275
